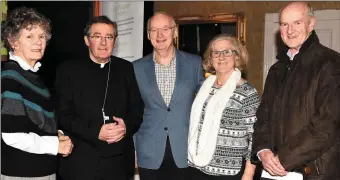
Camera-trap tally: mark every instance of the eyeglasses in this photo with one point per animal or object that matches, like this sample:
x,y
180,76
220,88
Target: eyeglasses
x,y
100,38
165,31
226,53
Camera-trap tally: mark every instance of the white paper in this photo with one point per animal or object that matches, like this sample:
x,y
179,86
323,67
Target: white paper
x,y
289,176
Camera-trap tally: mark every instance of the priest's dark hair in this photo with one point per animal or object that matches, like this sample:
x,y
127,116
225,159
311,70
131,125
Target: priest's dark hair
x,y
100,19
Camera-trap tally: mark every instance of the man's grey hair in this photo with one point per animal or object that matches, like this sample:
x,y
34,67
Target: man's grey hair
x,y
310,10
160,12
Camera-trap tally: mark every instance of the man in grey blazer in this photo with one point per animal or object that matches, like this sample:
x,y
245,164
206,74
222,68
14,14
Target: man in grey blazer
x,y
168,80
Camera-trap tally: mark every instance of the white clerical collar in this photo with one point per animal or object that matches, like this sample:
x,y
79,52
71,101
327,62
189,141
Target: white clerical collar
x,y
23,64
101,64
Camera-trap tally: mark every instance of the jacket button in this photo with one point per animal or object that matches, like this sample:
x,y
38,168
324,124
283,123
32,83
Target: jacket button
x,y
166,128
307,170
168,109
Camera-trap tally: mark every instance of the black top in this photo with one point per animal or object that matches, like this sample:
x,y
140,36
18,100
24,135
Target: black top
x,y
26,107
80,89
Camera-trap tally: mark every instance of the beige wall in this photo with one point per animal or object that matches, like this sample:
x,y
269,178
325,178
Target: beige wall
x,y
254,12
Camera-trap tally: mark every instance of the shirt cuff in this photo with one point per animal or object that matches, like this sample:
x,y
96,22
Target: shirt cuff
x,y
259,153
51,144
60,131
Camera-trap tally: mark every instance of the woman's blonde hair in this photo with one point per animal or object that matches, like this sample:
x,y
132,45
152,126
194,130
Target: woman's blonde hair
x,y
241,52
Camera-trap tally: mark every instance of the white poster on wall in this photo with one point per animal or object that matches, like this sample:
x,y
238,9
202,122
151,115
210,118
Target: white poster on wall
x,y
129,17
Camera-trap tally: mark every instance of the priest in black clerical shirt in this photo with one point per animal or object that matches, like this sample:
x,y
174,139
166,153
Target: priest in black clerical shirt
x,y
99,107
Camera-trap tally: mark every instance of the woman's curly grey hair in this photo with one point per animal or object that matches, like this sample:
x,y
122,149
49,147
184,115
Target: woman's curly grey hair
x,y
19,19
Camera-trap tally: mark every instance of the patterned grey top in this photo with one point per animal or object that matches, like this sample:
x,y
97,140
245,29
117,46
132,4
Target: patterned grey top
x,y
234,138
165,77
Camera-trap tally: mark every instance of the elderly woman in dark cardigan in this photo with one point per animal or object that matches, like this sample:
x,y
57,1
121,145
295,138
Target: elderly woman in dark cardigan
x,y
29,136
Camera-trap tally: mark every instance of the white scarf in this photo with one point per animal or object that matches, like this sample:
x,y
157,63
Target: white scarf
x,y
212,118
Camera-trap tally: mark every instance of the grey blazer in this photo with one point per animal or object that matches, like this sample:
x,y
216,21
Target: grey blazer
x,y
150,139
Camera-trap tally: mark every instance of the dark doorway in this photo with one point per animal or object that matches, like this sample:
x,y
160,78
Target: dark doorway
x,y
148,13
194,38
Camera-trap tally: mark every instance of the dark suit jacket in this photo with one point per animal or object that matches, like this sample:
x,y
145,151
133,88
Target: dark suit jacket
x,y
80,90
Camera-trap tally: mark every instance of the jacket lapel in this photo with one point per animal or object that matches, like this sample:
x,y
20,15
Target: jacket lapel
x,y
151,76
181,66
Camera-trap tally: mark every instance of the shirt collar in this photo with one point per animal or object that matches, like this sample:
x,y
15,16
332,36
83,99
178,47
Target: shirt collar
x,y
102,65
23,64
290,55
171,62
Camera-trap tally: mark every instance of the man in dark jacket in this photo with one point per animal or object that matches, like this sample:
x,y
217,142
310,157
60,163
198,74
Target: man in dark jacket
x,y
93,93
298,125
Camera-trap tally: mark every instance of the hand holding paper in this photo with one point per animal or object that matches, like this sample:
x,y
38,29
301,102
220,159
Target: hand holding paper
x,y
272,163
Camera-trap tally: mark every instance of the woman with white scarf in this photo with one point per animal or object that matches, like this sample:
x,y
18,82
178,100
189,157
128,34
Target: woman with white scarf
x,y
222,115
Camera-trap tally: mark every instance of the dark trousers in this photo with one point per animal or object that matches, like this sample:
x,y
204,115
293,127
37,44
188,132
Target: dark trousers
x,y
167,171
111,168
